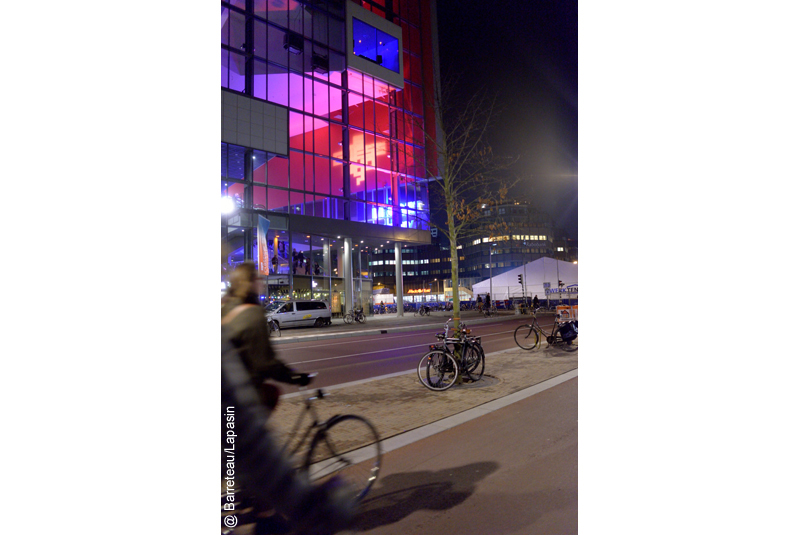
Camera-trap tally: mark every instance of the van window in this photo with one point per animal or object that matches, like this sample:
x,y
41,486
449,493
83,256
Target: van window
x,y
320,306
304,305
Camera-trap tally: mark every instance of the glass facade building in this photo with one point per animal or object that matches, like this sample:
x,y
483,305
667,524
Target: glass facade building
x,y
323,135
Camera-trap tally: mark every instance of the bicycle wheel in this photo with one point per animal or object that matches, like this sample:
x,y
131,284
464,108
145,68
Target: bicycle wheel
x,y
360,318
474,362
348,318
569,345
441,371
347,447
526,337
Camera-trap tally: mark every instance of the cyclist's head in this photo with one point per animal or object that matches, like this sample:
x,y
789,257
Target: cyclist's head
x,y
243,280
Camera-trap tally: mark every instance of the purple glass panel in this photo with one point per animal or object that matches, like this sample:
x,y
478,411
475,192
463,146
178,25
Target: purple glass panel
x,y
278,85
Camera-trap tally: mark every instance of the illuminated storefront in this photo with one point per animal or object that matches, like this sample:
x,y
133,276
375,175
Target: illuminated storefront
x,y
323,134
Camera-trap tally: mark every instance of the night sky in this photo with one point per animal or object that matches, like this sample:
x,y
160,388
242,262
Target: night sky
x,y
527,54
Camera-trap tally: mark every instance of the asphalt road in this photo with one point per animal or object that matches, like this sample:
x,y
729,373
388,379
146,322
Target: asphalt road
x,y
342,360
511,472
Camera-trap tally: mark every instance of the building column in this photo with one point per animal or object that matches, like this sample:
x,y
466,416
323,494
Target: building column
x,y
398,276
347,276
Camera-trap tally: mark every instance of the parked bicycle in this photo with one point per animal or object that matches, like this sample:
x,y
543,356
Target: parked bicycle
x,y
423,310
355,315
338,446
563,334
489,311
440,368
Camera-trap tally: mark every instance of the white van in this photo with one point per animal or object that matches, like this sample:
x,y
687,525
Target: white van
x,y
299,313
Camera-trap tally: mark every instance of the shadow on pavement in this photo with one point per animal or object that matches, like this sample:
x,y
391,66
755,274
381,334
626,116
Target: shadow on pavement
x,y
399,495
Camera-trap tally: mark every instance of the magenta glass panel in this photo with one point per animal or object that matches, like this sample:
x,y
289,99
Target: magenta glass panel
x,y
419,135
382,158
321,142
369,87
370,181
277,11
296,201
357,180
296,170
406,38
322,175
237,72
309,172
295,130
355,81
278,200
308,127
416,100
384,184
419,161
278,85
259,197
409,127
357,146
336,104
320,93
369,149
355,109
406,67
278,172
337,178
295,91
336,140
369,115
308,99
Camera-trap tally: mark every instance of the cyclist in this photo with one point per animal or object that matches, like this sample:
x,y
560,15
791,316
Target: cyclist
x,y
262,475
244,325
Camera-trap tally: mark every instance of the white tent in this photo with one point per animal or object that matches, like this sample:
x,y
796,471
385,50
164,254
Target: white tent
x,y
536,275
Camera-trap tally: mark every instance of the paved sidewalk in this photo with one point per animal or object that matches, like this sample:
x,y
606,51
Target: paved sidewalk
x,y
399,404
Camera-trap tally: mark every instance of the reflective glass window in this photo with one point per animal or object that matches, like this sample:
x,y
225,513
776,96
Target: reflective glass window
x,y
296,170
337,178
278,172
278,86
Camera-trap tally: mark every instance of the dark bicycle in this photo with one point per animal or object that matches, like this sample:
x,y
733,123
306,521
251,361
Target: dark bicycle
x,y
339,446
563,335
440,368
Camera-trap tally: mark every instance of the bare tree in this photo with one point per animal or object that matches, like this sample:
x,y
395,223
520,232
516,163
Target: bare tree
x,y
468,178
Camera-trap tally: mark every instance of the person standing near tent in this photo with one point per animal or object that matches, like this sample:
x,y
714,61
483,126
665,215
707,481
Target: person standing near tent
x,y
535,302
479,303
488,301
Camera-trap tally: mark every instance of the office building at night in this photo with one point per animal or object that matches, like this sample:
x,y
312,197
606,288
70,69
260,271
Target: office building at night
x,y
324,157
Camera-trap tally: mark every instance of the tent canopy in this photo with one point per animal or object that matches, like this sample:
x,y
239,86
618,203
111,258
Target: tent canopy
x,y
535,274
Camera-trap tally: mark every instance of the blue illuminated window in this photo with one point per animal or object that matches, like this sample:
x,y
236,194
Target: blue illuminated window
x,y
377,46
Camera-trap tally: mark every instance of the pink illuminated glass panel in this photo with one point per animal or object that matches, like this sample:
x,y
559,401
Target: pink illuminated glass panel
x,y
278,172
